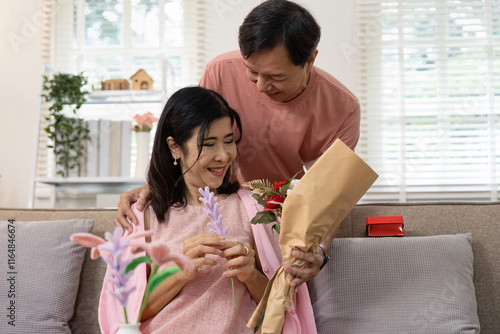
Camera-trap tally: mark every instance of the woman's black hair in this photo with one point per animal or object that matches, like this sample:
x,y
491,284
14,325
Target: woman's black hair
x,y
186,109
280,22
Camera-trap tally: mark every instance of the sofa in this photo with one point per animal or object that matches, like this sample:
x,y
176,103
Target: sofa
x,y
421,220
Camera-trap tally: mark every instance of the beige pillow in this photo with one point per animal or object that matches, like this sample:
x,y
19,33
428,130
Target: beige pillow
x,y
397,285
40,274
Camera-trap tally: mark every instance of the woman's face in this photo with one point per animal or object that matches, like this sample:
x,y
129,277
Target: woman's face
x,y
218,152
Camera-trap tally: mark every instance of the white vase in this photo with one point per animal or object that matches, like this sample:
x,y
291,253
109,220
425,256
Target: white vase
x,y
142,161
129,328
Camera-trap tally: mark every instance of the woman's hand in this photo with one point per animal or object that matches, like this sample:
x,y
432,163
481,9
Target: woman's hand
x,y
241,264
197,247
240,260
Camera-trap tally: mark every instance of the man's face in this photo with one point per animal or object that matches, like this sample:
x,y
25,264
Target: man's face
x,y
276,76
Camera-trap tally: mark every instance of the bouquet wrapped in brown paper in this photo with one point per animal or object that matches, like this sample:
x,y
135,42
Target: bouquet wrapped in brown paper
x,y
316,206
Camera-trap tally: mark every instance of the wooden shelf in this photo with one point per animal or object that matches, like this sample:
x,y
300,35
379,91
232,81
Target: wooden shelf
x,y
81,192
124,96
91,180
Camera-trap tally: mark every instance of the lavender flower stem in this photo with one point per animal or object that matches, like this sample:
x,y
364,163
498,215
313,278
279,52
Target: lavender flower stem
x,y
115,247
125,313
146,293
213,211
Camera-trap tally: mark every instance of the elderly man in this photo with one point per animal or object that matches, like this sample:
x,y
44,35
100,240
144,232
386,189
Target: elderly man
x,y
291,111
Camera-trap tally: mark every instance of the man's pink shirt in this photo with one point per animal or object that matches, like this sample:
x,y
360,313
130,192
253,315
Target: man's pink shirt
x,y
280,137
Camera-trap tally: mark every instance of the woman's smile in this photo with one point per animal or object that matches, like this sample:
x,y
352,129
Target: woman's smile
x,y
217,171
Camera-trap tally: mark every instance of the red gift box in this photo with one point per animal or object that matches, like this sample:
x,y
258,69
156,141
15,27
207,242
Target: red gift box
x,y
391,226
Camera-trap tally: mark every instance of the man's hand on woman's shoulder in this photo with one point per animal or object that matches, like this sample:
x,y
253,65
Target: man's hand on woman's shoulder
x,y
140,195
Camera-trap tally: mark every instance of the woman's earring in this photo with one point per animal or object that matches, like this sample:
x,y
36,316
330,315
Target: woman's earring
x,y
175,161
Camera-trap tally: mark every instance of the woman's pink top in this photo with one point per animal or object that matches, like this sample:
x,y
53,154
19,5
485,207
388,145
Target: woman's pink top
x,y
204,305
299,318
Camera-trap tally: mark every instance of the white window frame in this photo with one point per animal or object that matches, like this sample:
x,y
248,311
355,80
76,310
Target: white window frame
x,y
419,162
62,50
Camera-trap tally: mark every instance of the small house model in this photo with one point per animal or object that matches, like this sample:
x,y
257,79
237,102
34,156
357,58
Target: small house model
x,y
115,84
141,80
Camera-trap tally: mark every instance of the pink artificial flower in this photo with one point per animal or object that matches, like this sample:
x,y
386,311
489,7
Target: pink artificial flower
x,y
159,252
145,121
88,240
112,252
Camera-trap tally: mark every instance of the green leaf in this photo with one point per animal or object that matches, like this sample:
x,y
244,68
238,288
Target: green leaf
x,y
65,90
264,217
259,199
132,265
284,188
263,187
277,228
159,277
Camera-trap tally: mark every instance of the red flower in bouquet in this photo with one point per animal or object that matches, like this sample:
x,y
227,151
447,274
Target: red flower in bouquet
x,y
271,196
274,202
278,185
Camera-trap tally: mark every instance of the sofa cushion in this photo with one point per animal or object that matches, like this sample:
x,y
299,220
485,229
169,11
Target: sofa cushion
x,y
397,285
40,274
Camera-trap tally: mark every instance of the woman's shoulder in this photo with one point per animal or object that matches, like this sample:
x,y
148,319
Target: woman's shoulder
x,y
245,194
141,215
242,195
250,203
138,214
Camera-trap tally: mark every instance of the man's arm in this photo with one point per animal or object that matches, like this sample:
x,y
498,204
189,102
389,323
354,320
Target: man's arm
x,y
141,195
349,134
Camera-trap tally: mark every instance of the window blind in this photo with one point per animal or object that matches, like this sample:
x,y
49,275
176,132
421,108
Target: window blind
x,y
429,87
43,165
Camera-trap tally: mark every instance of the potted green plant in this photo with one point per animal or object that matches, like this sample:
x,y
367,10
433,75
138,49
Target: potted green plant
x,y
67,134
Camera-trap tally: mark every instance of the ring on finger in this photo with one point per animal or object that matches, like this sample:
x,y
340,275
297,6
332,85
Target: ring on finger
x,y
247,251
246,248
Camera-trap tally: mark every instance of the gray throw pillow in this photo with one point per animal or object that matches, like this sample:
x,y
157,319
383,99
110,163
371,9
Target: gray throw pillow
x,y
40,274
397,285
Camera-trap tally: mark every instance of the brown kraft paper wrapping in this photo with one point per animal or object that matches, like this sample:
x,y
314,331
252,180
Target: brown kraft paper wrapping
x,y
316,206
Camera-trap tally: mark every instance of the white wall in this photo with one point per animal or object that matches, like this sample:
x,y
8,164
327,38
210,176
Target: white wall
x,y
20,65
336,18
